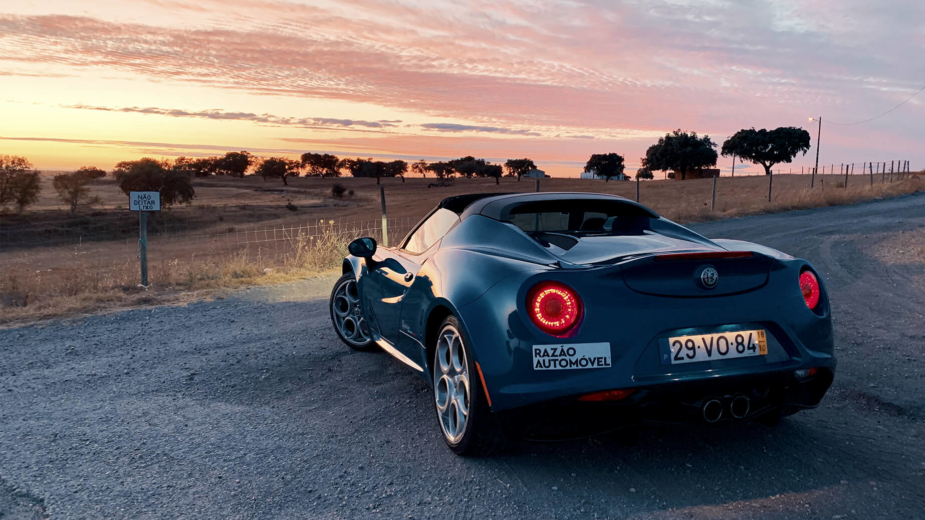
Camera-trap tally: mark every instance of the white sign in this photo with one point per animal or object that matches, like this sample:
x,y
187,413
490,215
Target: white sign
x,y
574,355
144,201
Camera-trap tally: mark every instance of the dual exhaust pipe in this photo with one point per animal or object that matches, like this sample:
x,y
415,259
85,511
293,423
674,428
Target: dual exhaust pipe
x,y
714,408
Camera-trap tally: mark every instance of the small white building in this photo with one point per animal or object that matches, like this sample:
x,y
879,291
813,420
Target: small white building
x,y
593,175
536,174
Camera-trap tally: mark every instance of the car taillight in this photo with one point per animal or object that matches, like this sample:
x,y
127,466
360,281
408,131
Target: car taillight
x,y
810,287
554,307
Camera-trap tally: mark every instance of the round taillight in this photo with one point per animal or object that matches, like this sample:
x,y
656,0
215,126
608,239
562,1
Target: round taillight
x,y
810,287
554,307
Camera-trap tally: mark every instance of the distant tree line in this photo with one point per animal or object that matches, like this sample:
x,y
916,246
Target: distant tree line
x,y
677,153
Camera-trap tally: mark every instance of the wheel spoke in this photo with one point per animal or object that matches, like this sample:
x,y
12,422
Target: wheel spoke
x,y
352,292
342,305
442,394
462,417
349,328
459,356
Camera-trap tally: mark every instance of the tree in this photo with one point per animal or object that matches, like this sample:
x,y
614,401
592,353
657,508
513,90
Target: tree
x,y
396,169
279,167
519,167
420,167
681,152
92,172
492,170
19,183
768,148
442,170
362,168
148,174
234,164
607,165
197,167
74,189
321,165
467,166
644,173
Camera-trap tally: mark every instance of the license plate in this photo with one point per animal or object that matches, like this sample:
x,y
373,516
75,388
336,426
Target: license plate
x,y
722,345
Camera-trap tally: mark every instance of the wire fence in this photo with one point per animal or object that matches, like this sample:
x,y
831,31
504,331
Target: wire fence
x,y
737,168
166,238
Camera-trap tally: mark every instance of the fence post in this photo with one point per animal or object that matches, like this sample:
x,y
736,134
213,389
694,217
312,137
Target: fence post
x,y
846,174
385,226
770,181
871,165
891,172
537,186
713,200
143,245
637,188
733,165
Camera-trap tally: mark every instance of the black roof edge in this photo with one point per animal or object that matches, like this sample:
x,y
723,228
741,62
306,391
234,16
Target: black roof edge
x,y
491,204
458,203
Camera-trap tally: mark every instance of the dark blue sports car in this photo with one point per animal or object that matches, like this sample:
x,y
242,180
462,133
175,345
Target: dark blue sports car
x,y
551,315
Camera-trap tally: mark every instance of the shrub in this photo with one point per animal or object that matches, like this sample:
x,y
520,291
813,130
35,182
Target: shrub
x,y
91,172
73,189
151,175
338,190
19,183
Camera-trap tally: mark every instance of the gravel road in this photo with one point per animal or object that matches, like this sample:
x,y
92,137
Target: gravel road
x,y
249,407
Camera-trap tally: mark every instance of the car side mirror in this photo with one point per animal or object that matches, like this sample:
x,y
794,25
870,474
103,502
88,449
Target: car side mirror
x,y
362,247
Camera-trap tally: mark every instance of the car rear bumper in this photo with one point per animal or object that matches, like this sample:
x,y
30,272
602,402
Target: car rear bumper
x,y
767,396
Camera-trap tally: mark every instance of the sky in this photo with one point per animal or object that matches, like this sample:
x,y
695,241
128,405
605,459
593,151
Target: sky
x,y
94,82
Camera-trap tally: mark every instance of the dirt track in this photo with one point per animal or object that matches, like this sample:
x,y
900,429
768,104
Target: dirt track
x,y
249,407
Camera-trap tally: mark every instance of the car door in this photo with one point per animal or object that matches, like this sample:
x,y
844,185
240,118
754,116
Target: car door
x,y
392,272
387,280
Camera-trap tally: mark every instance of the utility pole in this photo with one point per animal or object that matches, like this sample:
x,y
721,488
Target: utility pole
x,y
812,181
713,200
385,220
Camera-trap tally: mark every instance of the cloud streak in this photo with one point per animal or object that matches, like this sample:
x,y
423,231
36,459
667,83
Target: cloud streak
x,y
452,127
222,115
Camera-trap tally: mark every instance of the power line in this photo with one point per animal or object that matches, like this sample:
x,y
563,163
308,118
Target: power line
x,y
881,115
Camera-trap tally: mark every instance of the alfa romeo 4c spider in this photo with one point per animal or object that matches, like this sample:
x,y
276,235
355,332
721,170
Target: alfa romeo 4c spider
x,y
556,315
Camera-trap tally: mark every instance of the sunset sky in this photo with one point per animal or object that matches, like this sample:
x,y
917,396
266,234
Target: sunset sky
x,y
93,82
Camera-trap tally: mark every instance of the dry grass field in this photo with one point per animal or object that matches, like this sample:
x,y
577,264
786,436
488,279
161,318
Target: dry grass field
x,y
53,264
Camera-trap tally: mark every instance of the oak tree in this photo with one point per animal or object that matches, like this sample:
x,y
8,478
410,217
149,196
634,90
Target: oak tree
x,y
681,152
767,147
606,165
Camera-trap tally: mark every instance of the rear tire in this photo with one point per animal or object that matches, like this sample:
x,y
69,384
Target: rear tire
x,y
469,428
347,316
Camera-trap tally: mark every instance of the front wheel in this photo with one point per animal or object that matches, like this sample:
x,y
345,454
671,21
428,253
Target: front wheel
x,y
468,426
347,315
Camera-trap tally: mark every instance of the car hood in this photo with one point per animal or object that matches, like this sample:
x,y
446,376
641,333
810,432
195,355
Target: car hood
x,y
596,249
